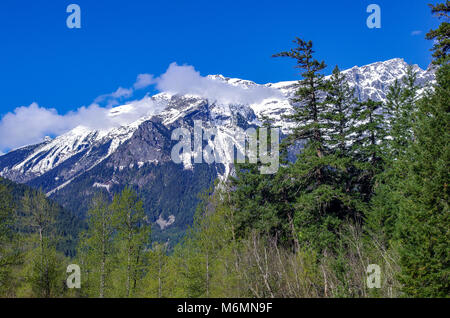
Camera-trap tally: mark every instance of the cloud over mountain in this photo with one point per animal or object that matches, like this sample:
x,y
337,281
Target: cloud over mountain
x,y
185,79
30,124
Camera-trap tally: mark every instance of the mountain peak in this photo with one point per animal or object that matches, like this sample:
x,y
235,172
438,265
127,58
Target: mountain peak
x,y
48,139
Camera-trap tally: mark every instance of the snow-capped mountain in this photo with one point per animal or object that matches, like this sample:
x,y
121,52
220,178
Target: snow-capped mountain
x,y
72,166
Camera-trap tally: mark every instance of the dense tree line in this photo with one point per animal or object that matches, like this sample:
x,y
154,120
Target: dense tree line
x,y
370,186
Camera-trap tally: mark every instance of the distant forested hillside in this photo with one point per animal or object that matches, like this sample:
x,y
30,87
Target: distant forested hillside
x,y
68,224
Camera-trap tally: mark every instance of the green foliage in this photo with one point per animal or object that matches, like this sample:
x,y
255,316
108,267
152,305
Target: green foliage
x,y
67,224
157,279
44,271
410,208
341,101
423,209
441,36
316,190
97,246
308,110
133,233
401,109
113,251
9,255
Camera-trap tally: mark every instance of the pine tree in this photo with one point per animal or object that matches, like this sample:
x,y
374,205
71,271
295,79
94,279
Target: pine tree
x,y
9,252
312,191
410,208
308,104
156,278
342,105
400,109
254,201
133,235
45,266
441,36
99,240
262,212
368,145
341,101
423,220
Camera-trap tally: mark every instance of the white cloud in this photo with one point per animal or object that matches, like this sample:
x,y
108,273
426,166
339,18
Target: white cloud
x,y
30,124
114,98
186,80
123,93
143,81
416,32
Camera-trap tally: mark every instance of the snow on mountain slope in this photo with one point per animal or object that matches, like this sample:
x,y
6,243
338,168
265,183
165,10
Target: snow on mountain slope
x,y
81,149
370,81
78,140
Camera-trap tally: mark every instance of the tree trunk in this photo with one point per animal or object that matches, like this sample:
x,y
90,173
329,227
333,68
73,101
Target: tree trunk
x,y
129,253
294,235
128,269
160,266
207,274
102,270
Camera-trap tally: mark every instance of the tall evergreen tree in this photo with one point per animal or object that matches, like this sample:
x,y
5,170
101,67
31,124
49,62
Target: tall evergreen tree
x,y
157,275
308,102
9,252
423,222
341,101
401,110
441,36
45,267
368,144
260,212
99,241
311,190
340,134
133,234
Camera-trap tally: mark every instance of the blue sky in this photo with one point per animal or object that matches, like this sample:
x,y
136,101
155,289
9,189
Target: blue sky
x,y
43,61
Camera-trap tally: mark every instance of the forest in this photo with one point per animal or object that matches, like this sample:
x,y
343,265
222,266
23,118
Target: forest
x,y
370,187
